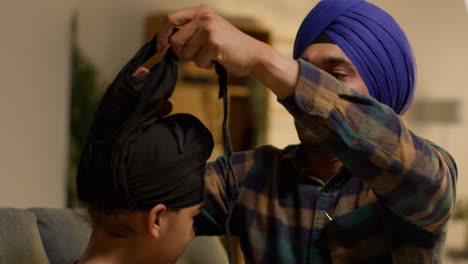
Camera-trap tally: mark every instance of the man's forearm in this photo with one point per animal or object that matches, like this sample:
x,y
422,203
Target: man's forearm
x,y
277,72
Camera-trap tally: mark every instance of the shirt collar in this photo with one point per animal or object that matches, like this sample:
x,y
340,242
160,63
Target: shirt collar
x,y
294,156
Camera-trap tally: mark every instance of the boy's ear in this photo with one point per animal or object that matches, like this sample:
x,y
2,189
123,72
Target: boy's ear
x,y
153,221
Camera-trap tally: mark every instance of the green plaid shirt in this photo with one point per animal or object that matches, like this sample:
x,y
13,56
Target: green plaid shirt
x,y
390,202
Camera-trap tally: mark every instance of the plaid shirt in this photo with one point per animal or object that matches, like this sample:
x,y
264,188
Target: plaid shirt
x,y
389,203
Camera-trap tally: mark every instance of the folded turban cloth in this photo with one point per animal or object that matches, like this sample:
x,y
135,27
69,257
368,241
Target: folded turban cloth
x,y
372,40
134,158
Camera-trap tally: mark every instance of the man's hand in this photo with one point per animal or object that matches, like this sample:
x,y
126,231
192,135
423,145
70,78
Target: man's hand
x,y
205,38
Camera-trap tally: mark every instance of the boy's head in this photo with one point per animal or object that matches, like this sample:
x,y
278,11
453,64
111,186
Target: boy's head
x,y
159,234
153,194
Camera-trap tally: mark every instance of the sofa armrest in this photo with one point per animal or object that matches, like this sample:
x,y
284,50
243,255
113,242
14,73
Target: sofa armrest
x,y
63,233
20,241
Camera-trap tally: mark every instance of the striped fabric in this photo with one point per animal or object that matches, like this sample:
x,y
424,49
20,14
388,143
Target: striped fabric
x,y
390,202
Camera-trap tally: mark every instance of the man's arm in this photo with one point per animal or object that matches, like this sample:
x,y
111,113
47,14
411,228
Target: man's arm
x,y
205,38
411,176
213,217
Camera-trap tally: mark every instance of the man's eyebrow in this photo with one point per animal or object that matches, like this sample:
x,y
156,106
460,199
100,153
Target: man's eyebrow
x,y
333,61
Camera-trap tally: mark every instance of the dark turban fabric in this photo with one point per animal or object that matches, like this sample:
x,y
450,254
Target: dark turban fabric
x,y
372,40
134,158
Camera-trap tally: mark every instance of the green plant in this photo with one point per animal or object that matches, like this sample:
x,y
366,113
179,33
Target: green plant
x,y
461,210
85,97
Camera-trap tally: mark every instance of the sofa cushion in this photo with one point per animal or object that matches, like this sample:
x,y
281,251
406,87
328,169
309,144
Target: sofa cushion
x,y
20,241
204,249
64,234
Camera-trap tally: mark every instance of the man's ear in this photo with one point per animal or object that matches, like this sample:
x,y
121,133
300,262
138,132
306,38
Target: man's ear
x,y
153,221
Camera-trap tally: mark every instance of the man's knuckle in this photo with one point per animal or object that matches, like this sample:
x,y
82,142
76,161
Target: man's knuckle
x,y
170,18
210,27
199,64
214,42
186,55
175,41
204,9
207,18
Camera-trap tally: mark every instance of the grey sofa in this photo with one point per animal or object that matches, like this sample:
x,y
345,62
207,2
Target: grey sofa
x,y
59,236
41,235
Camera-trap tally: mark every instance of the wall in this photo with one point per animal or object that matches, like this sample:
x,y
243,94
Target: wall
x,y
34,81
112,30
35,42
439,35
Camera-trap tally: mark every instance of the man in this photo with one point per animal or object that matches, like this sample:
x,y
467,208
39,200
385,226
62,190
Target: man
x,y
361,187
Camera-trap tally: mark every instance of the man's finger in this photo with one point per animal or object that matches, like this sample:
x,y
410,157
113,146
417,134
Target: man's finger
x,y
172,20
141,71
206,57
187,41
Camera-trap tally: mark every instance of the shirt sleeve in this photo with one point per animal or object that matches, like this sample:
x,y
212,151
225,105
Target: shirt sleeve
x,y
212,219
411,176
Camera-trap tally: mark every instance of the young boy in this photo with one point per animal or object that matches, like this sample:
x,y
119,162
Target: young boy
x,y
170,198
142,174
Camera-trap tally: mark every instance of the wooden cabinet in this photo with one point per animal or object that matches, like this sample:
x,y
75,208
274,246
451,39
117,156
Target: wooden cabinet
x,y
197,93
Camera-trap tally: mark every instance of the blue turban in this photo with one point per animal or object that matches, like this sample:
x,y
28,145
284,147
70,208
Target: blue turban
x,y
372,40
